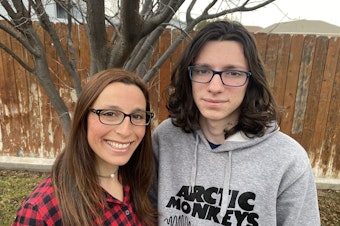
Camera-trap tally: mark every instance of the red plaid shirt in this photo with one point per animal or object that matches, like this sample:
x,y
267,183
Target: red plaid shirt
x,y
41,208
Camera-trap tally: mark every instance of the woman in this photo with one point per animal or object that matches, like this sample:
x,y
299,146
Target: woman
x,y
103,174
221,157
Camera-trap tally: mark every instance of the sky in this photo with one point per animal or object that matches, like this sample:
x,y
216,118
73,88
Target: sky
x,y
287,10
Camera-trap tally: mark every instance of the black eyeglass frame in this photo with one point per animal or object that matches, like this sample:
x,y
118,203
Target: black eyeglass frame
x,y
149,117
248,74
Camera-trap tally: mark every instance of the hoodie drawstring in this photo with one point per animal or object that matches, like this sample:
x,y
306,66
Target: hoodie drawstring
x,y
194,165
226,188
226,182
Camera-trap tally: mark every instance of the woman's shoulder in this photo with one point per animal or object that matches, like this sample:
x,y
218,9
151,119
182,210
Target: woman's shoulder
x,y
42,193
40,207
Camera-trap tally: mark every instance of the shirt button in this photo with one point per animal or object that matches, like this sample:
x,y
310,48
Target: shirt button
x,y
127,212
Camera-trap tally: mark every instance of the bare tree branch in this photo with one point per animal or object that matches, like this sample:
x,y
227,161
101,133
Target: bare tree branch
x,y
162,17
20,39
17,58
167,53
47,25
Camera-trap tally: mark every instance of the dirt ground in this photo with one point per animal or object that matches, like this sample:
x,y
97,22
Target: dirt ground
x,y
329,204
16,185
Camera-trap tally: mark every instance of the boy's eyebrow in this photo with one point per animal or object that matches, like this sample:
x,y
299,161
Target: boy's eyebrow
x,y
227,67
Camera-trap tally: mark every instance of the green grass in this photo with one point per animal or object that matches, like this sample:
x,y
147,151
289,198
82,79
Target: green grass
x,y
16,185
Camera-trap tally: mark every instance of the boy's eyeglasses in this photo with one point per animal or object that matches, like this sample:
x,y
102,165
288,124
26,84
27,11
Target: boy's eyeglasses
x,y
233,78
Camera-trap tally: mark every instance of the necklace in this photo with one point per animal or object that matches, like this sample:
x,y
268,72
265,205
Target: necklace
x,y
112,175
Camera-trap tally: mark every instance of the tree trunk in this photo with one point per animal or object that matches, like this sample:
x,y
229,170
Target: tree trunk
x,y
43,76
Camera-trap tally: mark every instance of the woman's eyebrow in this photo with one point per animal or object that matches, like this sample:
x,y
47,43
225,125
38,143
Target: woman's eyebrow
x,y
114,107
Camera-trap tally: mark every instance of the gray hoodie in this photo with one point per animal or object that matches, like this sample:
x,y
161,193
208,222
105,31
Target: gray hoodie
x,y
259,181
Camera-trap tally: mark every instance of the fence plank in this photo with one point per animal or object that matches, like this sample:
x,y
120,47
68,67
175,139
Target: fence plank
x,y
324,103
281,69
303,85
48,111
261,43
22,83
11,111
310,139
164,75
37,100
3,102
271,58
333,125
292,82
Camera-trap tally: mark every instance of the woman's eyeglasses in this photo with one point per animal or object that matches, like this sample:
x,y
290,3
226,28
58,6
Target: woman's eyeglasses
x,y
116,117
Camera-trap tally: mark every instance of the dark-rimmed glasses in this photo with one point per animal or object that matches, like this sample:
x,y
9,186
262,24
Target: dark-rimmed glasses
x,y
234,78
116,117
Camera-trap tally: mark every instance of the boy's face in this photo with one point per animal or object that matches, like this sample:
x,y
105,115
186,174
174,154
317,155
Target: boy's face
x,y
215,101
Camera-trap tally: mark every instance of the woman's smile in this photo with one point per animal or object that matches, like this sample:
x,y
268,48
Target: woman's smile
x,y
118,145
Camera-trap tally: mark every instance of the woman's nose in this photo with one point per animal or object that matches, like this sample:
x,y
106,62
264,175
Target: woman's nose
x,y
124,128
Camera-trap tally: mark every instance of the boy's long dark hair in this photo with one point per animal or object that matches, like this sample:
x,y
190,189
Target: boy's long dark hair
x,y
258,109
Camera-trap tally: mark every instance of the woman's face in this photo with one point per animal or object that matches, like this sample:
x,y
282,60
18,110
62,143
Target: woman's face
x,y
115,144
215,101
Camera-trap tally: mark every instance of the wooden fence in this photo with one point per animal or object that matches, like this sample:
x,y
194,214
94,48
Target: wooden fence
x,y
303,73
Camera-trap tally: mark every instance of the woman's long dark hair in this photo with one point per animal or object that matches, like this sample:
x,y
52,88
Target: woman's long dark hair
x,y
258,109
74,175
